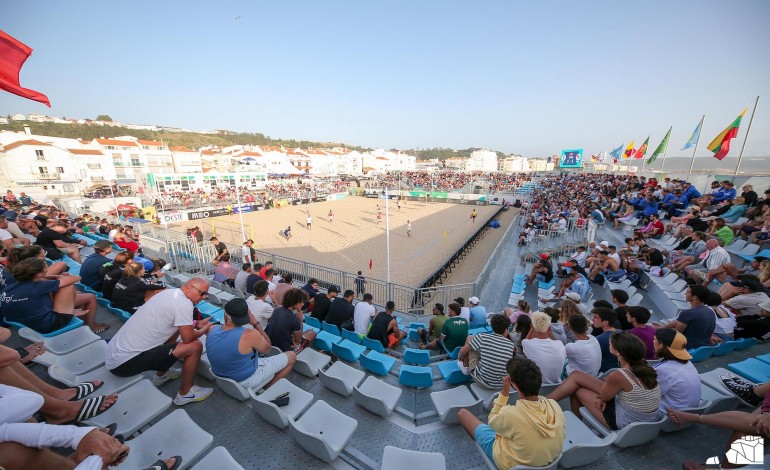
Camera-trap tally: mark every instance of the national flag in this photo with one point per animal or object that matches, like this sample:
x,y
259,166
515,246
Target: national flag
x,y
661,148
370,264
694,137
617,153
629,150
13,54
721,143
643,149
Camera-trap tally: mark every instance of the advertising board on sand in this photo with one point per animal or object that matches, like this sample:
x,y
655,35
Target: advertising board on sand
x,y
169,217
205,214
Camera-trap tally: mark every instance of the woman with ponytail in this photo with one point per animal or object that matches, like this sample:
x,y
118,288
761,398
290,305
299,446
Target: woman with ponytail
x,y
630,394
18,255
131,291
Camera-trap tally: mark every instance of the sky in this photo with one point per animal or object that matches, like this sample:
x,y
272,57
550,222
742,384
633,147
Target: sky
x,y
529,78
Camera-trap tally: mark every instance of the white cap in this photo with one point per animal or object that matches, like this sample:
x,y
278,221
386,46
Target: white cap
x,y
473,300
604,243
574,296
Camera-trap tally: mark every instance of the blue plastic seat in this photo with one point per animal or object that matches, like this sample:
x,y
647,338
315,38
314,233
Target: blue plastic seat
x,y
752,369
89,241
413,328
702,353
206,308
122,314
373,344
324,341
377,363
84,288
477,330
74,323
764,358
103,302
413,376
453,354
351,336
725,347
306,327
419,357
333,329
546,285
452,374
312,321
348,350
745,343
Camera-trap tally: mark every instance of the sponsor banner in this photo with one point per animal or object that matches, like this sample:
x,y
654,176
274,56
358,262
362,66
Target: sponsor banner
x,y
205,214
243,208
336,196
169,217
321,198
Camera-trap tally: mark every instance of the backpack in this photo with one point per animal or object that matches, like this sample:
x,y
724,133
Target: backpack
x,y
617,276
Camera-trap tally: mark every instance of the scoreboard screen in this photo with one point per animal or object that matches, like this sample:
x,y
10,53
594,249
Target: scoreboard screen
x,y
571,158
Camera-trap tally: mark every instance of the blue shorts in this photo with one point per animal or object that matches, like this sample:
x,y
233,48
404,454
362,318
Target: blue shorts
x,y
485,437
540,277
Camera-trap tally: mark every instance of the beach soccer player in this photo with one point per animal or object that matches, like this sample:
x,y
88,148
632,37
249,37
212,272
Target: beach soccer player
x,y
474,214
309,222
331,216
408,229
287,233
398,204
379,217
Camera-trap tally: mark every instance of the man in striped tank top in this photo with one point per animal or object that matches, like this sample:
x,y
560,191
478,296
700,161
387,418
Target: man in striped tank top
x,y
488,353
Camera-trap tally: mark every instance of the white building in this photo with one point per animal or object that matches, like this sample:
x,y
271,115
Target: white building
x,y
185,160
514,165
206,181
482,160
382,161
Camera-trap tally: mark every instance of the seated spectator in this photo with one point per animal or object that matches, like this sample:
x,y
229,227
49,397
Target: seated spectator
x,y
258,307
285,326
745,295
710,260
730,272
542,270
574,298
322,302
680,259
584,354
225,272
46,302
243,275
638,317
131,291
89,270
282,287
522,308
341,311
454,331
630,394
234,348
678,378
465,312
148,340
548,353
253,278
697,322
724,329
754,326
557,327
520,332
719,229
124,240
604,319
112,273
18,255
531,432
434,327
56,243
486,355
311,289
478,313
363,313
385,327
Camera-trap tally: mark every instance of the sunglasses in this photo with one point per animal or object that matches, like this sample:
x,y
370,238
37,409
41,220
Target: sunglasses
x,y
203,293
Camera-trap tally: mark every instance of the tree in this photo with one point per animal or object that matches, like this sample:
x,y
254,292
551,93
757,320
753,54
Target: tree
x,y
104,117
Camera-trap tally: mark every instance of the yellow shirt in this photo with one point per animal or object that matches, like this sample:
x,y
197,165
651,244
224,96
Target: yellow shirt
x,y
528,433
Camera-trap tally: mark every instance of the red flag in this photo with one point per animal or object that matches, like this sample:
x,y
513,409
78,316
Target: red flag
x,y
370,263
13,54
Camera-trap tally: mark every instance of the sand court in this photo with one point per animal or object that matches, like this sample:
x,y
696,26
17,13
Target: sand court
x,y
355,235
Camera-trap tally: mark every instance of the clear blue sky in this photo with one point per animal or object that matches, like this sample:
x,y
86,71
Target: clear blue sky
x,y
525,77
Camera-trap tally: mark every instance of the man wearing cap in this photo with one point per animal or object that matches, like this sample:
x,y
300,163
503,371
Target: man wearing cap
x,y
434,327
233,349
697,323
322,302
478,313
548,354
679,382
575,297
754,326
89,270
745,296
543,270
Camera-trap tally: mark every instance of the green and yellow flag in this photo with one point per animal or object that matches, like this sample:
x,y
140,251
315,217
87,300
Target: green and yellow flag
x,y
661,149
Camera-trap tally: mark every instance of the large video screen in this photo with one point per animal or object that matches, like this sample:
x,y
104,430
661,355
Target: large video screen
x,y
571,158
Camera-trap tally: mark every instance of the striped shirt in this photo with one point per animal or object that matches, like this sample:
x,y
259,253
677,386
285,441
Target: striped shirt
x,y
495,351
716,258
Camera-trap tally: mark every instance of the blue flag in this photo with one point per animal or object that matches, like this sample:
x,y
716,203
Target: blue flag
x,y
694,137
617,152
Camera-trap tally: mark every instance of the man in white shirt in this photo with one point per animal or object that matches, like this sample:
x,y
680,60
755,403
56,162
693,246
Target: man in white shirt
x,y
465,312
363,313
261,310
111,234
148,340
547,353
584,354
246,252
715,257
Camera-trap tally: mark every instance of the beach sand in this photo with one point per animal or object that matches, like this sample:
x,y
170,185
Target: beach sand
x,y
355,237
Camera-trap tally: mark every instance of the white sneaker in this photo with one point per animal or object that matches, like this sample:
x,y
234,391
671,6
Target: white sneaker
x,y
462,367
196,393
171,374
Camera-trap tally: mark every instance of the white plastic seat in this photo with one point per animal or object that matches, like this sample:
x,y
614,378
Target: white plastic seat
x,y
112,383
218,459
670,426
136,406
448,402
176,434
632,435
487,396
404,459
737,245
236,390
323,431
341,378
204,368
64,343
377,396
310,361
634,300
79,361
677,286
722,399
669,278
581,446
492,466
299,401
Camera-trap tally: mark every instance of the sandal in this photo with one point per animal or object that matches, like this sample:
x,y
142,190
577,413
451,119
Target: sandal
x,y
101,328
84,389
91,408
673,417
161,465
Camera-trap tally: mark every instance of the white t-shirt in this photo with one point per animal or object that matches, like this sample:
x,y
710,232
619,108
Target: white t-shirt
x,y
5,234
245,254
111,235
584,355
261,310
361,316
465,312
152,325
679,385
549,355
615,256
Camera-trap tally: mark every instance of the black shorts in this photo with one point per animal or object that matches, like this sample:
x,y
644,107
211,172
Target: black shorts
x,y
158,359
609,415
60,321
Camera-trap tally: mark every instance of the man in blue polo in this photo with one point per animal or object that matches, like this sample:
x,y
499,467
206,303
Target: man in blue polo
x,y
89,270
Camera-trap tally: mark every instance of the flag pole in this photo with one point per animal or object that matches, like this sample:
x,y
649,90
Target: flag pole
x,y
665,152
743,147
387,232
697,141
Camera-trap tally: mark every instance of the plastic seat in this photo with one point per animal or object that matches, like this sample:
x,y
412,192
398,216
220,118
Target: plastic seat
x,y
351,336
764,358
341,378
64,343
329,328
175,434
750,258
136,406
487,396
112,383
632,435
377,363
416,356
752,369
299,401
718,401
702,353
348,350
218,459
312,321
546,285
581,446
204,368
103,302
451,373
678,286
74,323
492,466
377,396
207,309
215,299
373,344
120,313
414,376
78,361
736,245
310,361
324,341
323,431
670,426
634,300
393,457
745,343
236,390
725,347
448,402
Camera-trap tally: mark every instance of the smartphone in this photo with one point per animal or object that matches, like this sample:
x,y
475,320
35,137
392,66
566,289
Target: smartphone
x,y
283,395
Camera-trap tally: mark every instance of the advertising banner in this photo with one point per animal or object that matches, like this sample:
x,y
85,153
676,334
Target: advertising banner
x,y
169,217
205,214
243,208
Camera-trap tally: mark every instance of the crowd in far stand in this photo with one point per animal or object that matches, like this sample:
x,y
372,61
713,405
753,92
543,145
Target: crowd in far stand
x,y
450,180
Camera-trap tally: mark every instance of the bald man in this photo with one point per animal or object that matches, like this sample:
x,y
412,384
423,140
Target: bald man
x,y
148,340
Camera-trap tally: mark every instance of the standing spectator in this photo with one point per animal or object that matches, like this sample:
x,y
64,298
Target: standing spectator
x,y
248,253
360,284
548,354
362,314
222,253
